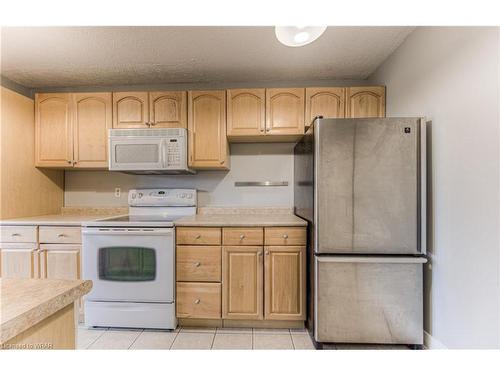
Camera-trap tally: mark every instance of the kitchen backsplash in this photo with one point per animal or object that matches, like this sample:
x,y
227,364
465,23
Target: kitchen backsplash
x,y
249,162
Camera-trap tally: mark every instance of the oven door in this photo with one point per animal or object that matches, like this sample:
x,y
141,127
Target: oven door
x,y
136,153
129,264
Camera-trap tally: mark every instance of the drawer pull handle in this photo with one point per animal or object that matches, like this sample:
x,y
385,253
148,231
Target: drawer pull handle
x,y
198,236
197,301
197,264
285,236
16,234
60,235
242,236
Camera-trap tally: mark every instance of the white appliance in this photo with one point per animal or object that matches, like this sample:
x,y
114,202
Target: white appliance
x,y
148,151
131,261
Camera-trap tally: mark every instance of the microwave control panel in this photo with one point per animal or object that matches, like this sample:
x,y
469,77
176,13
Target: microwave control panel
x,y
173,150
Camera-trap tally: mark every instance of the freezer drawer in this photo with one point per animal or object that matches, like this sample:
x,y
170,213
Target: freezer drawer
x,y
375,300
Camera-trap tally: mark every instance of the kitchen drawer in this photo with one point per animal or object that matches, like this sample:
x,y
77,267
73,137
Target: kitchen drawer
x,y
60,235
285,236
198,263
18,234
242,236
199,300
198,236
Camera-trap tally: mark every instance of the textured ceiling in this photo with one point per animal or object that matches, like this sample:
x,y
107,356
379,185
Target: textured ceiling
x,y
101,56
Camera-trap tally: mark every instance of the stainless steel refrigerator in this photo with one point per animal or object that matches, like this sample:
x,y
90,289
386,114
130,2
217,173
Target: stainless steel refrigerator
x,y
360,183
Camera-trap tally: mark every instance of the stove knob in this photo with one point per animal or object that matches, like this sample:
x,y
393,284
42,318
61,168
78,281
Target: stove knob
x,y
183,195
189,196
140,195
134,195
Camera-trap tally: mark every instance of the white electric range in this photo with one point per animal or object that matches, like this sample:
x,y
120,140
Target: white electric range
x,y
131,261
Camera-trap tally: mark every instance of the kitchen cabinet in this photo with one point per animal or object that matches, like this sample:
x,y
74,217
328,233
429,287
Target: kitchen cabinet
x,y
365,102
328,102
199,300
242,277
60,261
53,130
285,111
208,148
19,262
246,110
158,109
71,130
284,280
91,121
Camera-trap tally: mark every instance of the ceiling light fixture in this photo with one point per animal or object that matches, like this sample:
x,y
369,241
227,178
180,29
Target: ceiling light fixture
x,y
297,36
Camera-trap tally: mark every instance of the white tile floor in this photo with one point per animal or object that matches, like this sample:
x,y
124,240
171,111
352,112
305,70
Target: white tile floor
x,y
194,338
206,338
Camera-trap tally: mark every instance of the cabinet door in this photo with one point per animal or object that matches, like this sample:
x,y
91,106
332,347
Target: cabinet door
x,y
284,280
60,262
19,263
242,276
285,111
53,130
208,148
365,102
91,121
328,102
246,110
130,109
168,109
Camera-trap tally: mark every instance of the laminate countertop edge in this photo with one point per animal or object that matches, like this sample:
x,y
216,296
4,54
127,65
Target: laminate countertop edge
x,y
241,220
37,313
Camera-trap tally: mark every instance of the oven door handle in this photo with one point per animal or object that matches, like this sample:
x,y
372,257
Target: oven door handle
x,y
129,232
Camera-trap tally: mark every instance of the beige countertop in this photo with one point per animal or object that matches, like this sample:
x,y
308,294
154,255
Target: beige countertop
x,y
26,302
241,220
59,219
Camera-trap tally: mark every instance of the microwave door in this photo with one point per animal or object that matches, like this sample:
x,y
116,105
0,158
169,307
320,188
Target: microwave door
x,y
137,154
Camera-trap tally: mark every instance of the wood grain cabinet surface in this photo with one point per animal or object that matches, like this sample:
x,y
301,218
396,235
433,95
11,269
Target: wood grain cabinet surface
x,y
19,262
328,102
168,109
130,110
60,261
365,102
246,111
198,300
208,147
285,111
53,130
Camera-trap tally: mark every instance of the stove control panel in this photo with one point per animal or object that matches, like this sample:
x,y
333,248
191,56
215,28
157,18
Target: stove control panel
x,y
162,197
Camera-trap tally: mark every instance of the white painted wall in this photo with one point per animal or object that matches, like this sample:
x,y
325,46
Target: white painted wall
x,y
452,76
249,162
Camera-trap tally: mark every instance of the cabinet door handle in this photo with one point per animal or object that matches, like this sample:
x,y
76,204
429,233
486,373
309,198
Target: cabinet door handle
x,y
197,264
197,301
259,253
70,162
267,252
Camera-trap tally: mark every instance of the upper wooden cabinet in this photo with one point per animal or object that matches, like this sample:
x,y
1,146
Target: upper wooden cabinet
x,y
91,121
328,102
285,111
53,130
168,109
160,109
365,102
72,130
208,148
246,110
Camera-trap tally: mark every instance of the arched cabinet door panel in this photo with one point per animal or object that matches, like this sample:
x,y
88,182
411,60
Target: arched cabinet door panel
x,y
246,112
130,110
285,111
208,148
53,130
328,102
168,109
92,115
365,102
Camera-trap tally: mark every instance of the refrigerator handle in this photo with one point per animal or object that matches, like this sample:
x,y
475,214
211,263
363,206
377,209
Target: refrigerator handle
x,y
423,186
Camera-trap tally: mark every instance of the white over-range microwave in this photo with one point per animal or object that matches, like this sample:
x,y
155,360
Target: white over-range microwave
x,y
148,151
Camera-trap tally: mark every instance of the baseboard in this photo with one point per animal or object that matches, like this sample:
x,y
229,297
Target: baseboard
x,y
432,343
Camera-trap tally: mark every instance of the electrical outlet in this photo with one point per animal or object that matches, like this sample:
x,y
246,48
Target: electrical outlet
x,y
118,192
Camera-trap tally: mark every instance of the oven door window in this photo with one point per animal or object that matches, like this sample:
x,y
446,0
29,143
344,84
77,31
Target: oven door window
x,y
123,263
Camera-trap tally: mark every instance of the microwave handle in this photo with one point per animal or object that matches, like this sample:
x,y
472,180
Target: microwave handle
x,y
163,150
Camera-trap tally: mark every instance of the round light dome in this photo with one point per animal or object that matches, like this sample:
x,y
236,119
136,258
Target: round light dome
x,y
297,36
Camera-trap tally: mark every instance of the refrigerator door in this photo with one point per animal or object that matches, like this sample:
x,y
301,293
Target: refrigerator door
x,y
367,188
369,300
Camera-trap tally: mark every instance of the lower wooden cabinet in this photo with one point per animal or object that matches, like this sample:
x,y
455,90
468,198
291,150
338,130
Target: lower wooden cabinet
x,y
19,262
60,262
242,277
198,300
284,280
